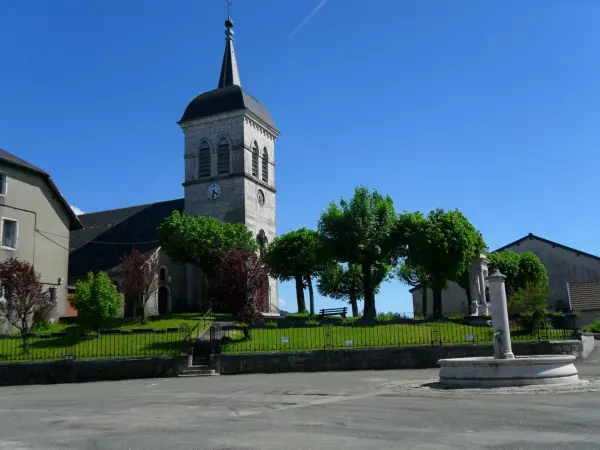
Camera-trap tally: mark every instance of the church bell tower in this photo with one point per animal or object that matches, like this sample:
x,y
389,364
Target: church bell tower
x,y
230,160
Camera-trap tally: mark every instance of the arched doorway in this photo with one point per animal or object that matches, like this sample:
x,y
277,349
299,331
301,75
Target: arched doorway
x,y
163,300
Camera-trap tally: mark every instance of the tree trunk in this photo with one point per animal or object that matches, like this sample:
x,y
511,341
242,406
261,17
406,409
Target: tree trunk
x,y
424,289
24,336
311,295
354,305
143,309
370,312
437,302
300,294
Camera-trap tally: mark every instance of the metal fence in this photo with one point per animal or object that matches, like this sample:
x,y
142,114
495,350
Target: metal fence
x,y
102,345
347,336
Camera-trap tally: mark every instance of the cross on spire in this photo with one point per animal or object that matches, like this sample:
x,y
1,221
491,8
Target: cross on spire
x,y
230,74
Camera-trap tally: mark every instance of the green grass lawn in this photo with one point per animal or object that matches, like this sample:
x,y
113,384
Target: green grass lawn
x,y
377,336
48,344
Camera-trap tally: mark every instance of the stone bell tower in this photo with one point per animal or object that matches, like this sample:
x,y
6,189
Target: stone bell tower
x,y
230,160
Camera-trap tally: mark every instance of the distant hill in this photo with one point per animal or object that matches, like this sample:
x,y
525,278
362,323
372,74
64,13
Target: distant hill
x,y
283,313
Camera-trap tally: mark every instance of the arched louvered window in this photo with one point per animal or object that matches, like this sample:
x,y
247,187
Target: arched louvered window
x,y
204,160
255,160
223,157
265,166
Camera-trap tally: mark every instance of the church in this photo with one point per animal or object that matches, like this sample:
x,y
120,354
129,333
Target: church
x,y
229,162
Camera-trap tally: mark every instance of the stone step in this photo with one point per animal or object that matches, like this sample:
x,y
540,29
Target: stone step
x,y
196,371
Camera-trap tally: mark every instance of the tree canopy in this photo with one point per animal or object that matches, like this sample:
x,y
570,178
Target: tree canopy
x,y
361,231
202,240
520,269
297,255
139,273
441,246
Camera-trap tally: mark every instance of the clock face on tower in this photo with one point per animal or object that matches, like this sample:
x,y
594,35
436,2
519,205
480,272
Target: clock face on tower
x,y
213,191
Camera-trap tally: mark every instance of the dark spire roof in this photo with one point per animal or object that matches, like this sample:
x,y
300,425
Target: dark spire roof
x,y
230,74
229,95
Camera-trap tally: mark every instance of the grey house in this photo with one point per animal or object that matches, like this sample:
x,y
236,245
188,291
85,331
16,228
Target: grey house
x,y
35,223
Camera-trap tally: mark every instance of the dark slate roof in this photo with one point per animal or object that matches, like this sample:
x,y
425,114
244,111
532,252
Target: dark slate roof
x,y
9,158
584,296
532,236
107,235
230,98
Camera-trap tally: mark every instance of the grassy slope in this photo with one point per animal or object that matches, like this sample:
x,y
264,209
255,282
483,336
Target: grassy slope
x,y
48,346
356,336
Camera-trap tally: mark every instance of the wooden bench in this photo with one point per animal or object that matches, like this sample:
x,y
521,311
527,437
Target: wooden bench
x,y
333,312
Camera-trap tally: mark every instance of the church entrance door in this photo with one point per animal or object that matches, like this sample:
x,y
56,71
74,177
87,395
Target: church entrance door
x,y
163,295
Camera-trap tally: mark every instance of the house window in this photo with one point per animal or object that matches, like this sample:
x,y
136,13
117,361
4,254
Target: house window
x,y
52,294
2,183
162,275
255,160
204,160
223,157
10,230
265,166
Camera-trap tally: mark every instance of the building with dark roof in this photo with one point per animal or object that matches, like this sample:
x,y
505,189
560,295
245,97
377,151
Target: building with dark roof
x,y
35,224
229,160
566,266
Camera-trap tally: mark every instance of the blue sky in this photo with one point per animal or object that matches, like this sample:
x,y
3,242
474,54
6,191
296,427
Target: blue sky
x,y
489,107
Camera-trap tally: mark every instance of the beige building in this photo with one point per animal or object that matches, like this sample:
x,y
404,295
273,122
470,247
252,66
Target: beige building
x,y
565,266
35,224
229,173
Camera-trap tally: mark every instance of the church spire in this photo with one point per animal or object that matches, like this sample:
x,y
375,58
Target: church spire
x,y
230,74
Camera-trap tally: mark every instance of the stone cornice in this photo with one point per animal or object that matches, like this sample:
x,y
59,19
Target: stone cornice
x,y
227,176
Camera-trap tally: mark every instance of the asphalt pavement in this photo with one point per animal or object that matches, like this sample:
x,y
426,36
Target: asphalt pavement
x,y
333,410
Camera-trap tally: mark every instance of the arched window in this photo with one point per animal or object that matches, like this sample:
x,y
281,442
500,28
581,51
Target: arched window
x,y
204,160
163,274
255,160
265,166
223,157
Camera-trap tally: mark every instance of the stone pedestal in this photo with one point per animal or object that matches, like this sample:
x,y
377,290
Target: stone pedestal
x,y
500,324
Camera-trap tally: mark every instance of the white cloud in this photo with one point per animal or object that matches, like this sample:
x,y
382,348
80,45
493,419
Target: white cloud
x,y
76,210
281,303
310,16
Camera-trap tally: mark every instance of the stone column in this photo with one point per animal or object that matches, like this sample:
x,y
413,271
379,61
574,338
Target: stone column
x,y
500,325
474,296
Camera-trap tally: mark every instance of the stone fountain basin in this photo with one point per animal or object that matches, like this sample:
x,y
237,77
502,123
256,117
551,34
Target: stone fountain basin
x,y
522,371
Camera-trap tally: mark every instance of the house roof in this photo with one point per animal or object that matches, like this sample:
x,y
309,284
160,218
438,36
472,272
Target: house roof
x,y
107,235
532,236
584,296
7,157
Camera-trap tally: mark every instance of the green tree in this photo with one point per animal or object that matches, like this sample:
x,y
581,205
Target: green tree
x,y
297,255
531,304
442,245
96,299
520,269
342,283
415,276
202,241
361,231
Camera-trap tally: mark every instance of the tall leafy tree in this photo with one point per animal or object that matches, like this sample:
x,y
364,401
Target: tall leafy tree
x,y
442,246
24,296
522,270
242,280
202,241
360,231
297,255
414,276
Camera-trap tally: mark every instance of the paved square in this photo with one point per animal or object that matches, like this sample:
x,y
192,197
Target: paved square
x,y
350,410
